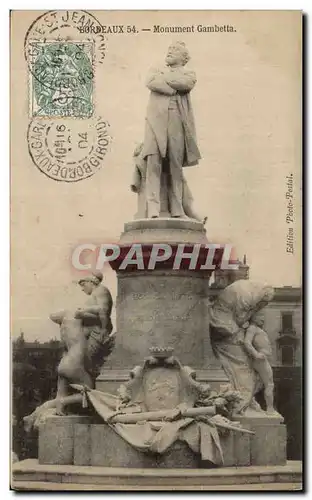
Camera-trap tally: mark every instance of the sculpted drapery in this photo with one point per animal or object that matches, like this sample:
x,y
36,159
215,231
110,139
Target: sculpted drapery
x,y
234,306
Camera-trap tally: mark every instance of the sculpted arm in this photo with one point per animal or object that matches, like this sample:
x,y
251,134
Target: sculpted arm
x,y
57,317
249,337
181,79
102,307
157,83
105,302
91,311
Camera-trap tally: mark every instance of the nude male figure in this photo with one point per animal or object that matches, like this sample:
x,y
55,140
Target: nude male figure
x,y
87,337
257,345
84,333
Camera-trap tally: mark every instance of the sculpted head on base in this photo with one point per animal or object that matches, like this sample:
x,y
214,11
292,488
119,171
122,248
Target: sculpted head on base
x,y
258,318
177,55
89,283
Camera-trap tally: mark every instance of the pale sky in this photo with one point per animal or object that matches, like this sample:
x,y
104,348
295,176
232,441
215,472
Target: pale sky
x,y
247,111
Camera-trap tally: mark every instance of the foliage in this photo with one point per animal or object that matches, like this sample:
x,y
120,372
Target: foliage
x,y
227,401
34,379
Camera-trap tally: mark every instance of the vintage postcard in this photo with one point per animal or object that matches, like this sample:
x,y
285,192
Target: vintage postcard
x,y
156,250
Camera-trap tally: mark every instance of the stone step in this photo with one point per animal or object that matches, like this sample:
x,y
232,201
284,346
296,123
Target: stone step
x,y
30,475
46,486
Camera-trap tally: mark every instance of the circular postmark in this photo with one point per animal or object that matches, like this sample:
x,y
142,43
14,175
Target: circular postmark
x,y
68,150
67,25
63,50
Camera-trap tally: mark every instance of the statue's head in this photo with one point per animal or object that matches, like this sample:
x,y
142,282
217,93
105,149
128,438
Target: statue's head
x,y
89,283
177,54
258,318
267,295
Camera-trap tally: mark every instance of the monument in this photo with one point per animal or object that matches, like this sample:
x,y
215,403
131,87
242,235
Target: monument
x,y
171,395
169,303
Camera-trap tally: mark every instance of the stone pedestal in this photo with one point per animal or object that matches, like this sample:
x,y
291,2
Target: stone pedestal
x,y
56,439
268,445
110,450
75,440
163,306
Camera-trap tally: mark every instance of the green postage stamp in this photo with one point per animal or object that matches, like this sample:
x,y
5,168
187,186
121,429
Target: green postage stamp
x,y
61,79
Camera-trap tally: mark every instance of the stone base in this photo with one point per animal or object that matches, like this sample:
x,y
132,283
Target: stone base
x,y
75,440
164,304
57,439
110,450
268,445
30,475
164,230
78,441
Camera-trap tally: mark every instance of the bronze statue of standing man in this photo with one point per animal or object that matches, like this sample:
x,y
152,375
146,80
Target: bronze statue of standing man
x,y
170,131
